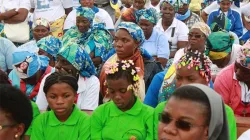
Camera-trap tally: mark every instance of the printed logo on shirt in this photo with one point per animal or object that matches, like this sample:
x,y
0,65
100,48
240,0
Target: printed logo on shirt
x,y
43,4
133,134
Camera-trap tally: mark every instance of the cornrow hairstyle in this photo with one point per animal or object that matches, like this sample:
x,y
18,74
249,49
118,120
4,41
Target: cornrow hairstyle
x,y
57,77
194,94
197,60
16,105
4,78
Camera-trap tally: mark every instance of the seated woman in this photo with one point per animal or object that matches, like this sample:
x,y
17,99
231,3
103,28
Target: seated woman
x,y
49,46
156,43
94,39
75,61
29,70
128,39
221,50
65,120
203,118
233,83
191,68
125,116
175,30
15,113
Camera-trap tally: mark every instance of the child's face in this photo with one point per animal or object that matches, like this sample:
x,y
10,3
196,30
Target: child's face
x,y
225,5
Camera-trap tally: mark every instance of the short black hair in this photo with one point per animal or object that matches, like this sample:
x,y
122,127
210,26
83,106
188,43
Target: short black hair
x,y
194,94
16,104
57,77
4,78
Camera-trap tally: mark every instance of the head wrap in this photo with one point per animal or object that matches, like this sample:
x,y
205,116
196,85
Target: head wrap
x,y
244,55
78,58
147,14
218,126
85,12
175,3
41,21
203,27
220,23
219,45
50,44
129,15
134,30
27,62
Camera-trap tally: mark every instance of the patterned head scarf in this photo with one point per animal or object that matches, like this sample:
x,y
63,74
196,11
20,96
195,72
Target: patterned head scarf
x,y
220,23
175,3
244,55
26,61
41,21
147,14
79,59
85,12
203,27
134,30
50,44
219,45
129,15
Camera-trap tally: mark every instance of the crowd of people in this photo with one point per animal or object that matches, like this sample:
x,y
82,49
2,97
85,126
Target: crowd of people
x,y
124,70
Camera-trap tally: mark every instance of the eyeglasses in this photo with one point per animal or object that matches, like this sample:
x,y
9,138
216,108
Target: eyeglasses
x,y
180,124
195,36
4,126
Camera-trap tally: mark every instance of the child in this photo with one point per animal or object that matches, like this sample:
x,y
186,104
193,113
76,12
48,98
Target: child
x,y
65,120
125,117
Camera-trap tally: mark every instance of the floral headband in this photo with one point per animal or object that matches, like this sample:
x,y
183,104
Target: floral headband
x,y
194,61
112,68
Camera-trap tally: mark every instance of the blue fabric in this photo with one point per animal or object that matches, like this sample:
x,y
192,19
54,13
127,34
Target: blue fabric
x,y
85,12
95,9
236,2
245,37
183,17
6,50
147,14
157,45
237,26
151,98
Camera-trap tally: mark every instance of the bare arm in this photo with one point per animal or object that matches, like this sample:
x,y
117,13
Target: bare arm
x,y
163,61
20,17
8,14
180,44
204,16
32,10
68,10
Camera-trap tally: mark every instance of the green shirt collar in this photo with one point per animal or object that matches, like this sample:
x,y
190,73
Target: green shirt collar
x,y
72,120
135,110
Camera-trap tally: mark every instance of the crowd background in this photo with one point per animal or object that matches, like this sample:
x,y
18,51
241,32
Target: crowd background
x,y
125,69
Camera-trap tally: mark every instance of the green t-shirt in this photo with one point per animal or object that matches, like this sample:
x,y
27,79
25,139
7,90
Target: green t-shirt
x,y
230,118
109,123
36,112
47,127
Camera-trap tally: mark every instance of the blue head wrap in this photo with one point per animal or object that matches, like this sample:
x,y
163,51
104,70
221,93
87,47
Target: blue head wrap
x,y
86,12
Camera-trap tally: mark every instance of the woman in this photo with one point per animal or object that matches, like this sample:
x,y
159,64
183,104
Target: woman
x,y
191,68
15,113
156,43
128,39
95,40
49,46
75,61
29,70
61,90
233,83
203,118
125,116
175,30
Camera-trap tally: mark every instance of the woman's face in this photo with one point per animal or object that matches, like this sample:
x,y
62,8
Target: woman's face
x,y
138,4
167,11
225,5
186,76
182,10
183,120
242,73
123,98
51,59
87,3
40,32
146,26
124,44
9,127
221,63
64,66
197,39
82,24
61,97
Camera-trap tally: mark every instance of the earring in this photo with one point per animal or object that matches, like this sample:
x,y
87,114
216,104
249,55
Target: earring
x,y
16,136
